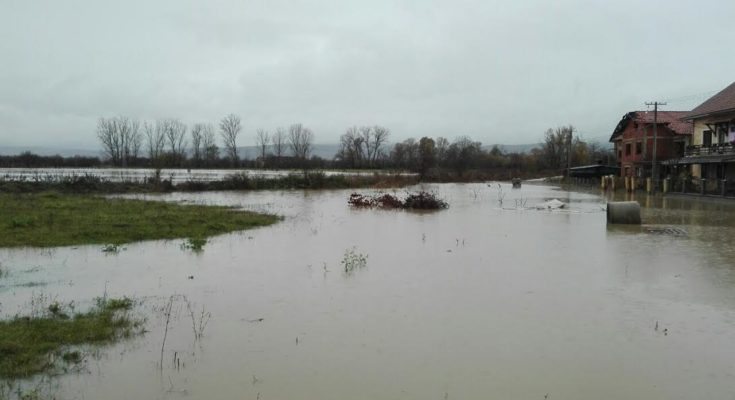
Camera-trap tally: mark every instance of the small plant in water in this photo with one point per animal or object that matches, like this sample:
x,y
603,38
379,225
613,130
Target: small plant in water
x,y
194,244
353,260
111,248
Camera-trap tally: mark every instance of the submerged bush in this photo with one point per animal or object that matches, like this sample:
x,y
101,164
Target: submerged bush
x,y
420,200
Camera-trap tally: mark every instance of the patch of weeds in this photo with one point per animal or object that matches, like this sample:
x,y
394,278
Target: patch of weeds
x,y
56,310
353,260
111,248
33,344
73,357
21,222
31,284
125,303
194,244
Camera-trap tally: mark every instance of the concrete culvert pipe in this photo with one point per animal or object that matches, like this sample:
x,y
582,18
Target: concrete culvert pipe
x,y
624,212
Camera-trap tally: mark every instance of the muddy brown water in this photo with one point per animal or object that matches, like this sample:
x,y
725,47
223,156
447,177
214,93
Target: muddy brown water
x,y
474,302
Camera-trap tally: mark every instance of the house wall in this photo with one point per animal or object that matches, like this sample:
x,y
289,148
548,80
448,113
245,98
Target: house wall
x,y
700,125
643,133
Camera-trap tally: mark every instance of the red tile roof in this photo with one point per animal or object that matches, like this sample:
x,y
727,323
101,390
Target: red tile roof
x,y
721,102
671,119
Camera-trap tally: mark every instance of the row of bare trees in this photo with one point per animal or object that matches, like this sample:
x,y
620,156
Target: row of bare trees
x,y
165,141
362,147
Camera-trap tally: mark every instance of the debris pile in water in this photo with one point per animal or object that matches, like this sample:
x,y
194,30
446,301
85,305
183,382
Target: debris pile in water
x,y
551,205
419,200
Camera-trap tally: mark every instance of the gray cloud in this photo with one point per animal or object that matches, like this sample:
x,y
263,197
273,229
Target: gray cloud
x,y
499,71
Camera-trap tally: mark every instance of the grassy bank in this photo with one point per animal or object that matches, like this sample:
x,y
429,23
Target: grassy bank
x,y
34,344
56,219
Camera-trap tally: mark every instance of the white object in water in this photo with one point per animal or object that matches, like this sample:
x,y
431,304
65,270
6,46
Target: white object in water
x,y
551,205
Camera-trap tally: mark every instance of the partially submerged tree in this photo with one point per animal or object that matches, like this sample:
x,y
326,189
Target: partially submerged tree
x,y
229,128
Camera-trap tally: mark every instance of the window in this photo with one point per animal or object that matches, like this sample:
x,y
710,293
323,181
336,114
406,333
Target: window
x,y
679,149
707,138
627,149
638,147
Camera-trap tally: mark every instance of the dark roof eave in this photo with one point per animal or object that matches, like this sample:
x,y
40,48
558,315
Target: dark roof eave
x,y
709,114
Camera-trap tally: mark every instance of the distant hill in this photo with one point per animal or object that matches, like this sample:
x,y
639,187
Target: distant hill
x,y
326,151
250,152
48,151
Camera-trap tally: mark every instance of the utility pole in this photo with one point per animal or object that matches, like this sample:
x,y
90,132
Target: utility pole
x,y
569,150
654,169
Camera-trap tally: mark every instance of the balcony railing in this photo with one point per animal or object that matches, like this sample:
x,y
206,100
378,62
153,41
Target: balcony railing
x,y
715,149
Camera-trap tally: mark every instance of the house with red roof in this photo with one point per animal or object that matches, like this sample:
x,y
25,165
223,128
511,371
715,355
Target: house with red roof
x,y
633,138
708,164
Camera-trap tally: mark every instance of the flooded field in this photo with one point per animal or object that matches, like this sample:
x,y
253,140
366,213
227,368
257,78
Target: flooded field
x,y
143,174
482,300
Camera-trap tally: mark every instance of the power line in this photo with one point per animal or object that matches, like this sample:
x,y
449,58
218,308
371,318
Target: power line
x,y
691,97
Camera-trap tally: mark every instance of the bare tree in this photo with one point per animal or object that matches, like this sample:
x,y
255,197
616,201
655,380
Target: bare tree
x,y
301,140
279,144
107,134
120,139
351,147
366,137
129,133
262,138
175,133
380,138
442,146
229,128
197,137
556,146
155,141
209,144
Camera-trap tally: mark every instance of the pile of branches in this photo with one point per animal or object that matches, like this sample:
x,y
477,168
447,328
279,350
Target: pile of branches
x,y
419,200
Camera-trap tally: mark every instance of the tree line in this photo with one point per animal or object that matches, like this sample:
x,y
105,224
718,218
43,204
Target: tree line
x,y
170,143
439,158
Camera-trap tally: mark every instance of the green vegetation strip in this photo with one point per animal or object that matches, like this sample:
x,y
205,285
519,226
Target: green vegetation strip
x,y
32,345
54,219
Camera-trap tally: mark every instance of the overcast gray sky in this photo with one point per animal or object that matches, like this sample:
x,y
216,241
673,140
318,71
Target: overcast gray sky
x,y
498,71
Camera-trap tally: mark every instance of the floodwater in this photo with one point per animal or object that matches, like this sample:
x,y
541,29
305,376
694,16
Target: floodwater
x,y
474,302
143,174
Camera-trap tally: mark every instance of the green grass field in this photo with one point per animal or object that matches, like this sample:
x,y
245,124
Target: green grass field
x,y
54,219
